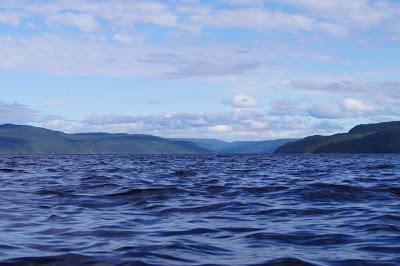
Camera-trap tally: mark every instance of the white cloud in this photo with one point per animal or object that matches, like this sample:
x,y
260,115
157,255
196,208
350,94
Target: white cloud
x,y
326,111
357,106
84,22
390,88
333,29
220,128
346,108
96,55
354,13
244,2
239,125
118,12
285,108
252,17
242,101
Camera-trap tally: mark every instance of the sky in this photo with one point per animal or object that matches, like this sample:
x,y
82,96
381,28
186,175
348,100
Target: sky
x,y
226,69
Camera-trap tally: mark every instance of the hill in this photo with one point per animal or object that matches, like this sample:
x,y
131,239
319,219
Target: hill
x,y
239,147
22,139
15,139
366,138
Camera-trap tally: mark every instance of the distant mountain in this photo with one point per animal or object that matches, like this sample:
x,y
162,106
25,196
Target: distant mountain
x,y
366,138
214,145
17,139
255,147
239,147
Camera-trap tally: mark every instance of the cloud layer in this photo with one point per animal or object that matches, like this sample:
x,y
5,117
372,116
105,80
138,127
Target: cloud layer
x,y
279,68
99,37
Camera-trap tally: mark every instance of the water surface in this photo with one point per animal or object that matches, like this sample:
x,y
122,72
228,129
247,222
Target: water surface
x,y
198,210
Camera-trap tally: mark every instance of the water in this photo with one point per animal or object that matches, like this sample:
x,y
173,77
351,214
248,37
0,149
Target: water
x,y
197,210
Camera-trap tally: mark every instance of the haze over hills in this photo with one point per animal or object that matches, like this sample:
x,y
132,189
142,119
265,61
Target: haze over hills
x,y
366,138
22,139
239,147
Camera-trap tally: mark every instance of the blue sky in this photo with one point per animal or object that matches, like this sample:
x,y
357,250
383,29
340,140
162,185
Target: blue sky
x,y
229,69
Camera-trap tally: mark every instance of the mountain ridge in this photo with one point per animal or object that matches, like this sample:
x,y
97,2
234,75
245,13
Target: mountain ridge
x,y
364,138
25,139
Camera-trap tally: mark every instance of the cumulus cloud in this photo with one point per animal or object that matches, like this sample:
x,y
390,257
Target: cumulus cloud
x,y
242,101
220,128
356,106
242,124
326,111
346,108
227,125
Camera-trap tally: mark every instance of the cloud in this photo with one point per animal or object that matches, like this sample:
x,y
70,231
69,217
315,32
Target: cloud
x,y
354,13
391,88
16,113
285,108
113,41
11,18
81,13
326,111
242,101
107,119
152,102
236,125
333,29
244,2
346,108
84,22
94,55
242,124
256,18
356,106
220,128
333,17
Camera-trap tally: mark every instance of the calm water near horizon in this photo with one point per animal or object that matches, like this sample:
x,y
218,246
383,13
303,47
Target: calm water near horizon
x,y
200,210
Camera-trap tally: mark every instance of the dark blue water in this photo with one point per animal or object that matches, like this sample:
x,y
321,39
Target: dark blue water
x,y
198,210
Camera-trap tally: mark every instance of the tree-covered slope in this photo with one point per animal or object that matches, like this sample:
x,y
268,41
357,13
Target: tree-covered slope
x,y
368,138
372,128
16,139
383,141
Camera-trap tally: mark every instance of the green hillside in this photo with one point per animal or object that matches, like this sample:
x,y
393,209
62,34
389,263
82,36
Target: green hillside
x,y
16,139
368,138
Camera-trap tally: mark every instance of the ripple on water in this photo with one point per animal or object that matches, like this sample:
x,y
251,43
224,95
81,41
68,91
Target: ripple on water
x,y
278,210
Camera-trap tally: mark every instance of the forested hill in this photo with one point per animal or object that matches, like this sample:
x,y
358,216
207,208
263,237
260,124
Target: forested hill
x,y
366,138
15,139
23,139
